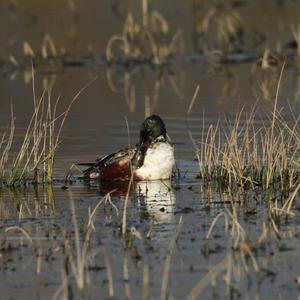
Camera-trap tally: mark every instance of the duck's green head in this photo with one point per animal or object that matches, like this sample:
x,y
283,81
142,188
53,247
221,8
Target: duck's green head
x,y
152,128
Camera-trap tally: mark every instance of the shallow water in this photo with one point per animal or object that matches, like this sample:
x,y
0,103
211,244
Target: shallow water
x,y
32,266
34,269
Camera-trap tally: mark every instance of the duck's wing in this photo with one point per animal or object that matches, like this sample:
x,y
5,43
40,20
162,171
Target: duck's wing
x,y
109,163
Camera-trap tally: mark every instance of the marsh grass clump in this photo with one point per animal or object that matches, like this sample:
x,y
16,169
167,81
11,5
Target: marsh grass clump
x,y
149,40
80,250
218,19
245,155
34,159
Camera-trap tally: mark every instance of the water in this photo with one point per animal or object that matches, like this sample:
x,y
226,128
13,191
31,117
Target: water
x,y
33,266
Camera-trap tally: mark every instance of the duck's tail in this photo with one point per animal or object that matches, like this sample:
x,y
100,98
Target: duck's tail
x,y
89,173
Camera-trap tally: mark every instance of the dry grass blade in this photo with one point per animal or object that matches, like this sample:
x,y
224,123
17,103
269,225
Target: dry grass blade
x,y
92,216
215,221
193,99
288,204
109,274
146,292
48,46
207,279
166,271
6,145
124,219
79,266
126,278
27,50
18,228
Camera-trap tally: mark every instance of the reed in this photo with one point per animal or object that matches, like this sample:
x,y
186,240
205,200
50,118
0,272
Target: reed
x,y
47,49
5,146
241,256
35,158
151,40
34,161
243,155
217,25
79,253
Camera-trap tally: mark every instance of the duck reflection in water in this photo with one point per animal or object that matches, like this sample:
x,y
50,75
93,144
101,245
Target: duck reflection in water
x,y
158,198
155,199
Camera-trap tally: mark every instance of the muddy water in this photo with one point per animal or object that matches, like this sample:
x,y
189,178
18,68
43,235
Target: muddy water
x,y
33,266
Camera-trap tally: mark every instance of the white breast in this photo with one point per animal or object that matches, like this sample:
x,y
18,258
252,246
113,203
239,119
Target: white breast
x,y
158,163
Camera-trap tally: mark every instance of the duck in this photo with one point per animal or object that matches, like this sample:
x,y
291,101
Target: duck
x,y
151,159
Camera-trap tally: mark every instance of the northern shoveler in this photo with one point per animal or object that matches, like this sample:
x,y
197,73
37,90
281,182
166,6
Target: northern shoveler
x,y
152,158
